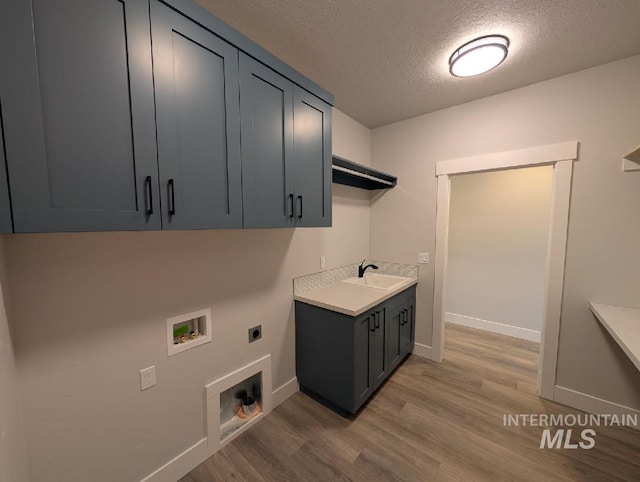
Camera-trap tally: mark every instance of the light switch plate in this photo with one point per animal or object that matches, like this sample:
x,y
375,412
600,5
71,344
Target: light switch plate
x,y
423,258
147,377
323,262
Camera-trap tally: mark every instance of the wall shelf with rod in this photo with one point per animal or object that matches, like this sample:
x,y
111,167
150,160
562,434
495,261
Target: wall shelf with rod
x,y
363,177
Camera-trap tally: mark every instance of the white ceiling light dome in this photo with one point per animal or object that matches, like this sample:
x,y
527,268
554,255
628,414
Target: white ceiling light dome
x,y
479,56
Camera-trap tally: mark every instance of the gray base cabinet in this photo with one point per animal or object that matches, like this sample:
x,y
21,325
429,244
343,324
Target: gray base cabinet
x,y
146,115
342,360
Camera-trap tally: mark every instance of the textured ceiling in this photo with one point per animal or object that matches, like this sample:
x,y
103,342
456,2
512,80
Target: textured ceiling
x,y
386,60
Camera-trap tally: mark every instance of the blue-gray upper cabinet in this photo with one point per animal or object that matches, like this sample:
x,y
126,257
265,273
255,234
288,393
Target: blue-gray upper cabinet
x,y
286,151
5,206
78,113
266,113
198,121
312,154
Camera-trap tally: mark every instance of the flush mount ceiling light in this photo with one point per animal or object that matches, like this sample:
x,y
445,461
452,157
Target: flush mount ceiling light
x,y
479,56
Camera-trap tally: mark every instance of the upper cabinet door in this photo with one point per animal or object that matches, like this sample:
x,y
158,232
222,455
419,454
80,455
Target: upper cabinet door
x,y
266,109
312,154
5,206
78,114
198,118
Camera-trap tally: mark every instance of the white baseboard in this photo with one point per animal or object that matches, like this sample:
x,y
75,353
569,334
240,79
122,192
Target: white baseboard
x,y
181,465
283,392
423,351
591,404
188,460
501,328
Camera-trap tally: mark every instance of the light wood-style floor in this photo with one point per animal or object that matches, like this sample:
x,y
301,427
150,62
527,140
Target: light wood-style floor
x,y
429,421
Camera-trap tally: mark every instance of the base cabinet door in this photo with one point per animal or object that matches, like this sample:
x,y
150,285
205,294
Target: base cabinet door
x,y
370,353
407,327
198,121
78,115
364,353
379,362
394,321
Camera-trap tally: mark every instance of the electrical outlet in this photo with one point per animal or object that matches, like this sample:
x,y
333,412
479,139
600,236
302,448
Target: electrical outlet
x,y
255,333
323,262
423,258
147,377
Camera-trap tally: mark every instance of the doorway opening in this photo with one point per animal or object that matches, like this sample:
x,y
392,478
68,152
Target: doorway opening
x,y
497,251
560,157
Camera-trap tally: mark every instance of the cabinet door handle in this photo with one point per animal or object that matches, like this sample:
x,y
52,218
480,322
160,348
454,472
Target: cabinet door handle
x,y
172,198
149,195
300,212
377,320
406,316
372,328
292,212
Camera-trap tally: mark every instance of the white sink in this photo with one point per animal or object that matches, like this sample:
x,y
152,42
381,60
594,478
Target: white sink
x,y
380,281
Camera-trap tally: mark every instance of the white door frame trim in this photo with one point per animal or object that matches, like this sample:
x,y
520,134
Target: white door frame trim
x,y
561,157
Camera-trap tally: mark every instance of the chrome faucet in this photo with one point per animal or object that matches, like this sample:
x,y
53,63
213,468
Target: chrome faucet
x,y
362,269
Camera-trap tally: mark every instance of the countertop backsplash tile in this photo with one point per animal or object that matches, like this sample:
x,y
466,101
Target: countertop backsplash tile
x,y
330,276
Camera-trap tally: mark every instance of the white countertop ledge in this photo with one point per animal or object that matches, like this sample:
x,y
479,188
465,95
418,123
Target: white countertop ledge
x,y
349,299
623,324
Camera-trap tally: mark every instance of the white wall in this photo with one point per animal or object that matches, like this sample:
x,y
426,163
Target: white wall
x,y
13,449
351,140
89,311
598,107
498,237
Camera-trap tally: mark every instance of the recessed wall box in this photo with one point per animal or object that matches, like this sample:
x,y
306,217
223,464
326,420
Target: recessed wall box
x,y
226,397
188,331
